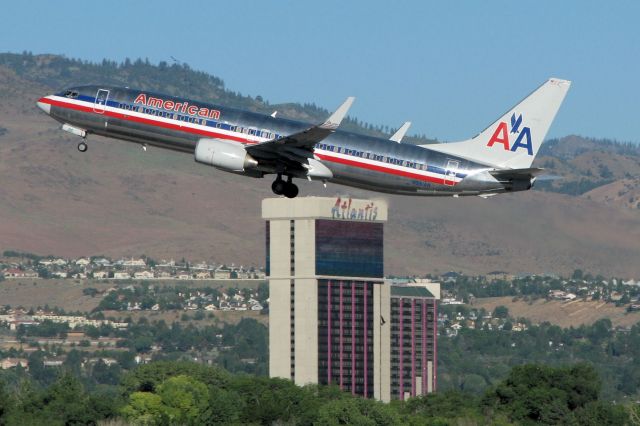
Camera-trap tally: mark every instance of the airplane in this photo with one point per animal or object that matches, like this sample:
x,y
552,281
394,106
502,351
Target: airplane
x,y
497,160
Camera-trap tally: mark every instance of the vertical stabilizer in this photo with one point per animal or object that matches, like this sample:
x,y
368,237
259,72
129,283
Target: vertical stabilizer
x,y
514,139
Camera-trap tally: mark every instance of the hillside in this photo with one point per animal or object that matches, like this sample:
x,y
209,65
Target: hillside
x,y
118,200
584,164
564,314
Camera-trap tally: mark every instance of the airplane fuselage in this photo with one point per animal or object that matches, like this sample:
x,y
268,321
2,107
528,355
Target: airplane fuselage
x,y
355,160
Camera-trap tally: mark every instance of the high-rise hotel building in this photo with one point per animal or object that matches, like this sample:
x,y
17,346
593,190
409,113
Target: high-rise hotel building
x,y
330,310
414,331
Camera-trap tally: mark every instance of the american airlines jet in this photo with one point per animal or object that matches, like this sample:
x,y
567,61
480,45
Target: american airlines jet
x,y
497,160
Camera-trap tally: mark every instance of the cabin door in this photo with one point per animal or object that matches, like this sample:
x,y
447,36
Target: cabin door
x,y
450,172
101,101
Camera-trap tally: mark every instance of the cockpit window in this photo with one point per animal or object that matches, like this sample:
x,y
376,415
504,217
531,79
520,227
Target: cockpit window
x,y
71,94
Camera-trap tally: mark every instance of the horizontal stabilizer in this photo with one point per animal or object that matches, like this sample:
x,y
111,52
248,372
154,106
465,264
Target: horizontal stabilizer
x,y
516,174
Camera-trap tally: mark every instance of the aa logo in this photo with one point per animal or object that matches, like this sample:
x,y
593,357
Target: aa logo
x,y
501,136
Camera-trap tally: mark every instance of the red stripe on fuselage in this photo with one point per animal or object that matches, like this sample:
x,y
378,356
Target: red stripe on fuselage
x,y
158,123
382,169
142,120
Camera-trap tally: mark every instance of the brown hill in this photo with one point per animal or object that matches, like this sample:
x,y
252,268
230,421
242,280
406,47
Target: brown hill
x,y
564,314
623,192
118,200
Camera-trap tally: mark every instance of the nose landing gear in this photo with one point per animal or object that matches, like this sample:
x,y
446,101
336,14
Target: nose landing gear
x,y
288,188
82,147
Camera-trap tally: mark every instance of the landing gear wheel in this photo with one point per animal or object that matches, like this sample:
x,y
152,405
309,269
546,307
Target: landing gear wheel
x,y
291,190
278,186
82,147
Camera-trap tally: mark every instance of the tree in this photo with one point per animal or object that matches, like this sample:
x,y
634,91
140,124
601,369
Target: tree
x,y
225,406
342,412
6,401
545,395
65,401
501,312
144,408
185,400
149,376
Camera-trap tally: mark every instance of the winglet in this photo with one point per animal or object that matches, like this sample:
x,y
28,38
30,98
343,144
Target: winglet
x,y
336,118
399,134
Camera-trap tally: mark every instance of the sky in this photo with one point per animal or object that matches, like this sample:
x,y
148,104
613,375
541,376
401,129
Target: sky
x,y
450,67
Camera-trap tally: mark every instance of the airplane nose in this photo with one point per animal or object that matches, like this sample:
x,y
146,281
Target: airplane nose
x,y
44,106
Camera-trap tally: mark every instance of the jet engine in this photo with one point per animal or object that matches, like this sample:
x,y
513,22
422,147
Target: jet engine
x,y
226,155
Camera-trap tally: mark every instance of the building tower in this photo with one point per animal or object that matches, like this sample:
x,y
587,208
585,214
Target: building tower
x,y
414,338
327,294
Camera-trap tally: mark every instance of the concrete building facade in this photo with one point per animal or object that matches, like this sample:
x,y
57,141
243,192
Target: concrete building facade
x,y
330,310
327,293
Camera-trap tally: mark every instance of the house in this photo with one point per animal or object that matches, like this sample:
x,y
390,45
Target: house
x,y
222,273
163,274
13,362
83,261
102,262
54,362
143,359
204,275
561,295
99,275
210,307
519,327
134,262
144,275
18,273
183,275
121,275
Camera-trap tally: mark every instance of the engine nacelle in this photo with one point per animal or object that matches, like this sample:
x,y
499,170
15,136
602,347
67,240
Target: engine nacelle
x,y
225,155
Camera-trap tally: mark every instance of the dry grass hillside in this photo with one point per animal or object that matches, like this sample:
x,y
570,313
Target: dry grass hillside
x,y
564,314
623,192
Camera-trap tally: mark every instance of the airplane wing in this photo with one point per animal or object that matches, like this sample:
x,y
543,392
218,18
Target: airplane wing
x,y
298,147
399,134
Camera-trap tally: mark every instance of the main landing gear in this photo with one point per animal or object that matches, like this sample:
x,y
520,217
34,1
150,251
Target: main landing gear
x,y
288,188
82,147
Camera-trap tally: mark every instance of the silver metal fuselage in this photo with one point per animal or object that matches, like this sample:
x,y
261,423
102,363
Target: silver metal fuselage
x,y
355,160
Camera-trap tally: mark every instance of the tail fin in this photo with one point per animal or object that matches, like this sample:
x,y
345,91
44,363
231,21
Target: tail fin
x,y
514,139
